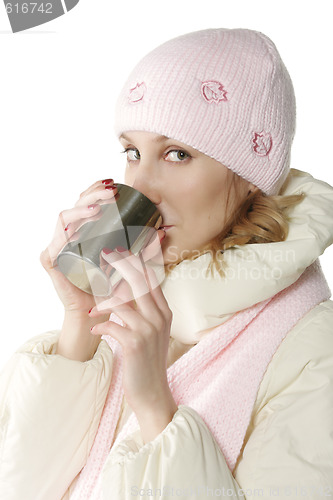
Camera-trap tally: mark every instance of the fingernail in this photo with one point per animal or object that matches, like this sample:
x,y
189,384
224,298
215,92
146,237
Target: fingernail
x,y
121,249
106,250
110,187
90,310
66,228
91,329
107,181
91,207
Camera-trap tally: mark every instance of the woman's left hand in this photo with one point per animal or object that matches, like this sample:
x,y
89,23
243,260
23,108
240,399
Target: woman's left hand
x,y
144,339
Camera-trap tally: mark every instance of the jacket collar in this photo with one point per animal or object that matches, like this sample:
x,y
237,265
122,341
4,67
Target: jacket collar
x,y
254,272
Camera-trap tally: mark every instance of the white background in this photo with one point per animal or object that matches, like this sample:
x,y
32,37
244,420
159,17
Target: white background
x,y
58,87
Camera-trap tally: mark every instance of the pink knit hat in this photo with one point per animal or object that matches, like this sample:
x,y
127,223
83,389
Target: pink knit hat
x,y
224,92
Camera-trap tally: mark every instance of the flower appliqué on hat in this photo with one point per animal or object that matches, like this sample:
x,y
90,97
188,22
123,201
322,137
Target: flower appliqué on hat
x,y
213,91
137,93
262,143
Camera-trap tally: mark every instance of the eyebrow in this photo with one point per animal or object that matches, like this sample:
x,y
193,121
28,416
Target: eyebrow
x,y
159,138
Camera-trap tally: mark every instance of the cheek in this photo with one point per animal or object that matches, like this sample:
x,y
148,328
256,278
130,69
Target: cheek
x,y
192,191
204,210
205,198
128,177
210,211
197,195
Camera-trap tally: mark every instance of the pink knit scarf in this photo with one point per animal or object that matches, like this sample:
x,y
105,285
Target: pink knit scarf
x,y
219,377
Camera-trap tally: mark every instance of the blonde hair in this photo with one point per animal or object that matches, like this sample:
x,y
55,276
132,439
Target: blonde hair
x,y
255,218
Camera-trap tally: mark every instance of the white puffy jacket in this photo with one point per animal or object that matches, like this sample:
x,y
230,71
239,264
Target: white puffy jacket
x,y
50,408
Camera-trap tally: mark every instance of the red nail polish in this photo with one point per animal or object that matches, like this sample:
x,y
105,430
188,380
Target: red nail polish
x,y
106,250
110,187
121,249
90,310
107,181
66,228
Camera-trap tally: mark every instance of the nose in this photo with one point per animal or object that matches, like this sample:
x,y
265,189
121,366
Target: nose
x,y
146,181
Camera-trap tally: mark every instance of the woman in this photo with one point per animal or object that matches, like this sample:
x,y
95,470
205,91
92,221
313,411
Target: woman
x,y
219,381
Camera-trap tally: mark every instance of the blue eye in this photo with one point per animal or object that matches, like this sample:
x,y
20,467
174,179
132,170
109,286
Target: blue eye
x,y
176,155
132,154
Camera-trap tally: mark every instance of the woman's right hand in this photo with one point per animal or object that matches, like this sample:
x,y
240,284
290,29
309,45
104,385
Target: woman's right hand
x,y
87,208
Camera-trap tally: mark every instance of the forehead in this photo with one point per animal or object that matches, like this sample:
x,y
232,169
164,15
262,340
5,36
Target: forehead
x,y
146,139
139,134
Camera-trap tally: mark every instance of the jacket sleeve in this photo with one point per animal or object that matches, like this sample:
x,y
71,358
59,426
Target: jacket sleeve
x,y
183,461
288,448
50,408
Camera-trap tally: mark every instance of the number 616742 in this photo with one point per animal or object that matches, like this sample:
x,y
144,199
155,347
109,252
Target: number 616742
x,y
29,8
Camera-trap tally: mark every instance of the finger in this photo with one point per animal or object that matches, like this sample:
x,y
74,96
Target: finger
x,y
138,278
113,329
67,224
124,311
137,261
123,296
135,320
122,290
131,321
152,254
155,275
101,194
97,184
77,213
135,276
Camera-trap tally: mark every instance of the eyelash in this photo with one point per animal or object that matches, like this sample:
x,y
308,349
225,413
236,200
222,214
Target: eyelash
x,y
126,150
179,151
188,156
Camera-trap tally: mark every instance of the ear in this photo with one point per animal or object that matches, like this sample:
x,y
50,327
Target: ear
x,y
252,188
